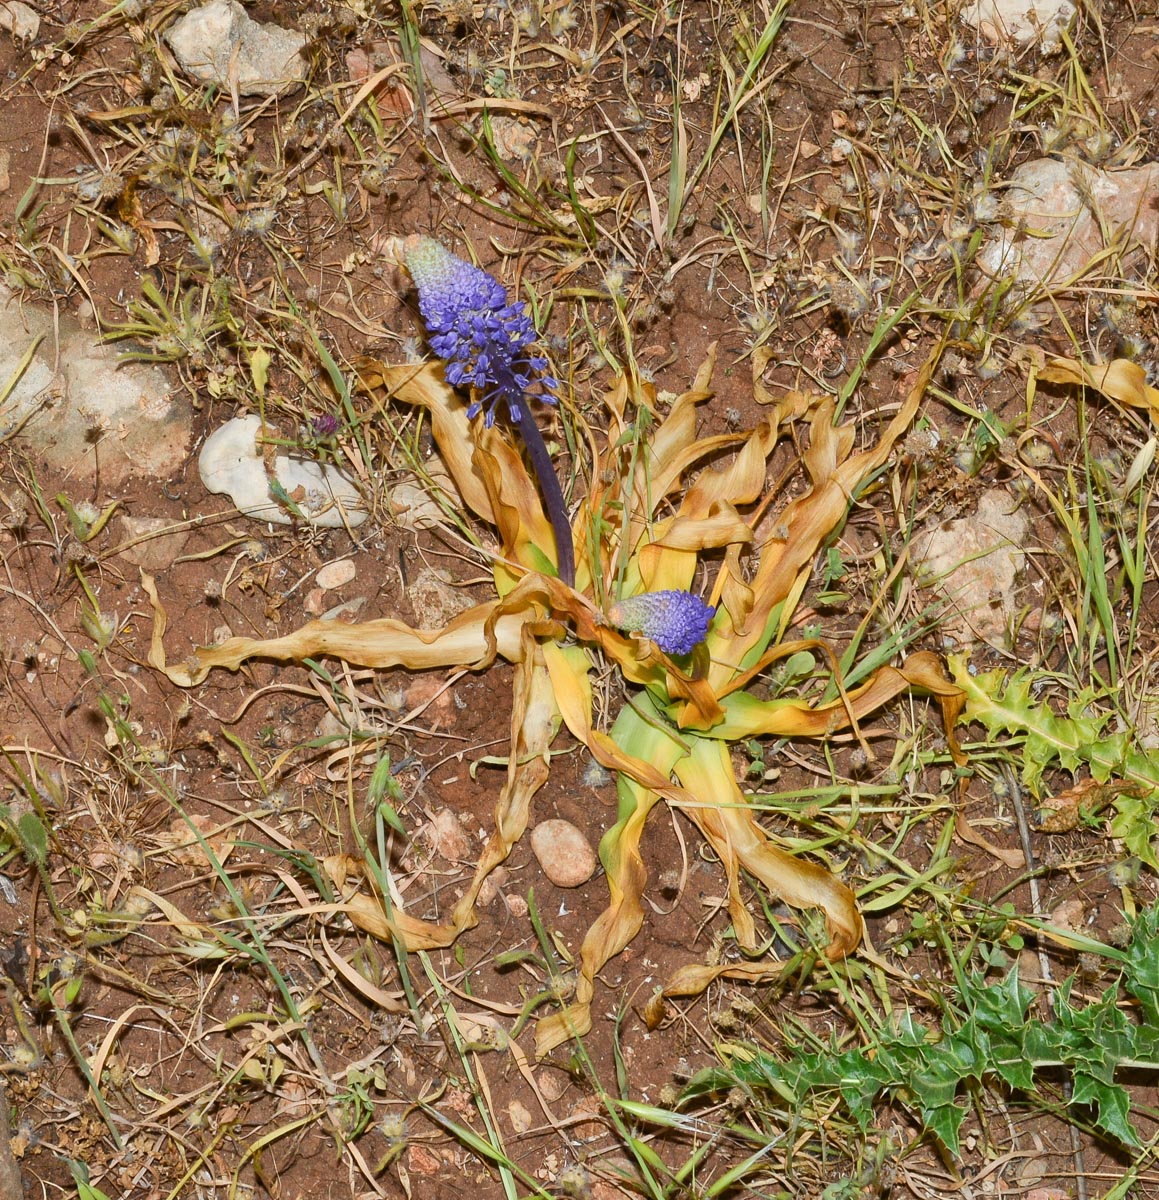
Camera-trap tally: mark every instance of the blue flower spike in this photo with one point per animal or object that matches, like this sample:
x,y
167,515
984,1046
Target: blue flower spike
x,y
676,621
485,342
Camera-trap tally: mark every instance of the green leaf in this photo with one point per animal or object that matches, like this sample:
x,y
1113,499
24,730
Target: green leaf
x,y
1133,822
797,667
946,1121
279,493
540,562
1141,969
1004,705
1112,1105
33,838
383,784
84,1189
999,1036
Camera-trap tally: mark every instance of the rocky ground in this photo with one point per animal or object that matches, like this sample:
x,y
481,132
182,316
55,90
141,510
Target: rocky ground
x,y
201,210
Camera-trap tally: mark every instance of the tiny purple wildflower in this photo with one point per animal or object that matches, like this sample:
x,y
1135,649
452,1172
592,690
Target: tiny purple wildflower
x,y
483,340
324,425
676,621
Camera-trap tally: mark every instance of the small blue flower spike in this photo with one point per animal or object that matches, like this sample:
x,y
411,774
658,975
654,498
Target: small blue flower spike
x,y
483,340
676,621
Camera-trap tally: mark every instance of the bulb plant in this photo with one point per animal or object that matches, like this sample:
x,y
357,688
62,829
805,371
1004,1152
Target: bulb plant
x,y
619,584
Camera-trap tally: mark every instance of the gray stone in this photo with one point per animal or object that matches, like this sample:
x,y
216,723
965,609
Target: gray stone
x,y
19,20
231,462
78,407
220,37
1051,219
973,564
434,601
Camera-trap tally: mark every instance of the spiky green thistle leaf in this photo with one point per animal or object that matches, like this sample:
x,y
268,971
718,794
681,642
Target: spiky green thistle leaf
x,y
997,1035
1005,704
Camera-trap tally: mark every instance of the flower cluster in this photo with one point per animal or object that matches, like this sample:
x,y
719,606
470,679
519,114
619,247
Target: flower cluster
x,y
483,340
676,621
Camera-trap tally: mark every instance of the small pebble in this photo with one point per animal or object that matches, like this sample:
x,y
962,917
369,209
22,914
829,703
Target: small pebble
x,y
336,574
566,856
490,886
519,1116
434,601
155,549
448,837
552,1084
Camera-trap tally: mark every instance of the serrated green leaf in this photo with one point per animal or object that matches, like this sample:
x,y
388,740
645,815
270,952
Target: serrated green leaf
x,y
1014,1069
1000,1035
1133,822
945,1121
1141,968
1003,704
1112,1106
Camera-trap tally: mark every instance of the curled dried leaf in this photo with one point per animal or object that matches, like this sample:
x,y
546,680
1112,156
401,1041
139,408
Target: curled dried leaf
x,y
1121,380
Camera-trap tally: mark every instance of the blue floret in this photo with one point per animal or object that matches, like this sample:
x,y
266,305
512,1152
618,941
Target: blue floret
x,y
483,340
676,621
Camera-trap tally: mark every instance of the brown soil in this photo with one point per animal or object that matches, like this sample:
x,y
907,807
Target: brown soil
x,y
198,1058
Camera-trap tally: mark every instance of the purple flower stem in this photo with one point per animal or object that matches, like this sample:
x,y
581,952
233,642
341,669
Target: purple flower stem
x,y
552,493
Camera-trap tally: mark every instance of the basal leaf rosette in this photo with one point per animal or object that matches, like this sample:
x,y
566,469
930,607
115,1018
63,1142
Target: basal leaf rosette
x,y
656,519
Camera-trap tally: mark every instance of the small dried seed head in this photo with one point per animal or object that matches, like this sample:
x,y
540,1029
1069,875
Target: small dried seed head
x,y
849,299
574,1183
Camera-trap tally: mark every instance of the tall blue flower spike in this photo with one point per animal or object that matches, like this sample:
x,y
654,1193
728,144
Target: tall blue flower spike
x,y
676,621
483,340
486,345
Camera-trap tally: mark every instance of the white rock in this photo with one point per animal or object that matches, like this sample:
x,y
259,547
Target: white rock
x,y
336,574
973,564
81,409
219,38
1050,232
566,856
231,463
1020,21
